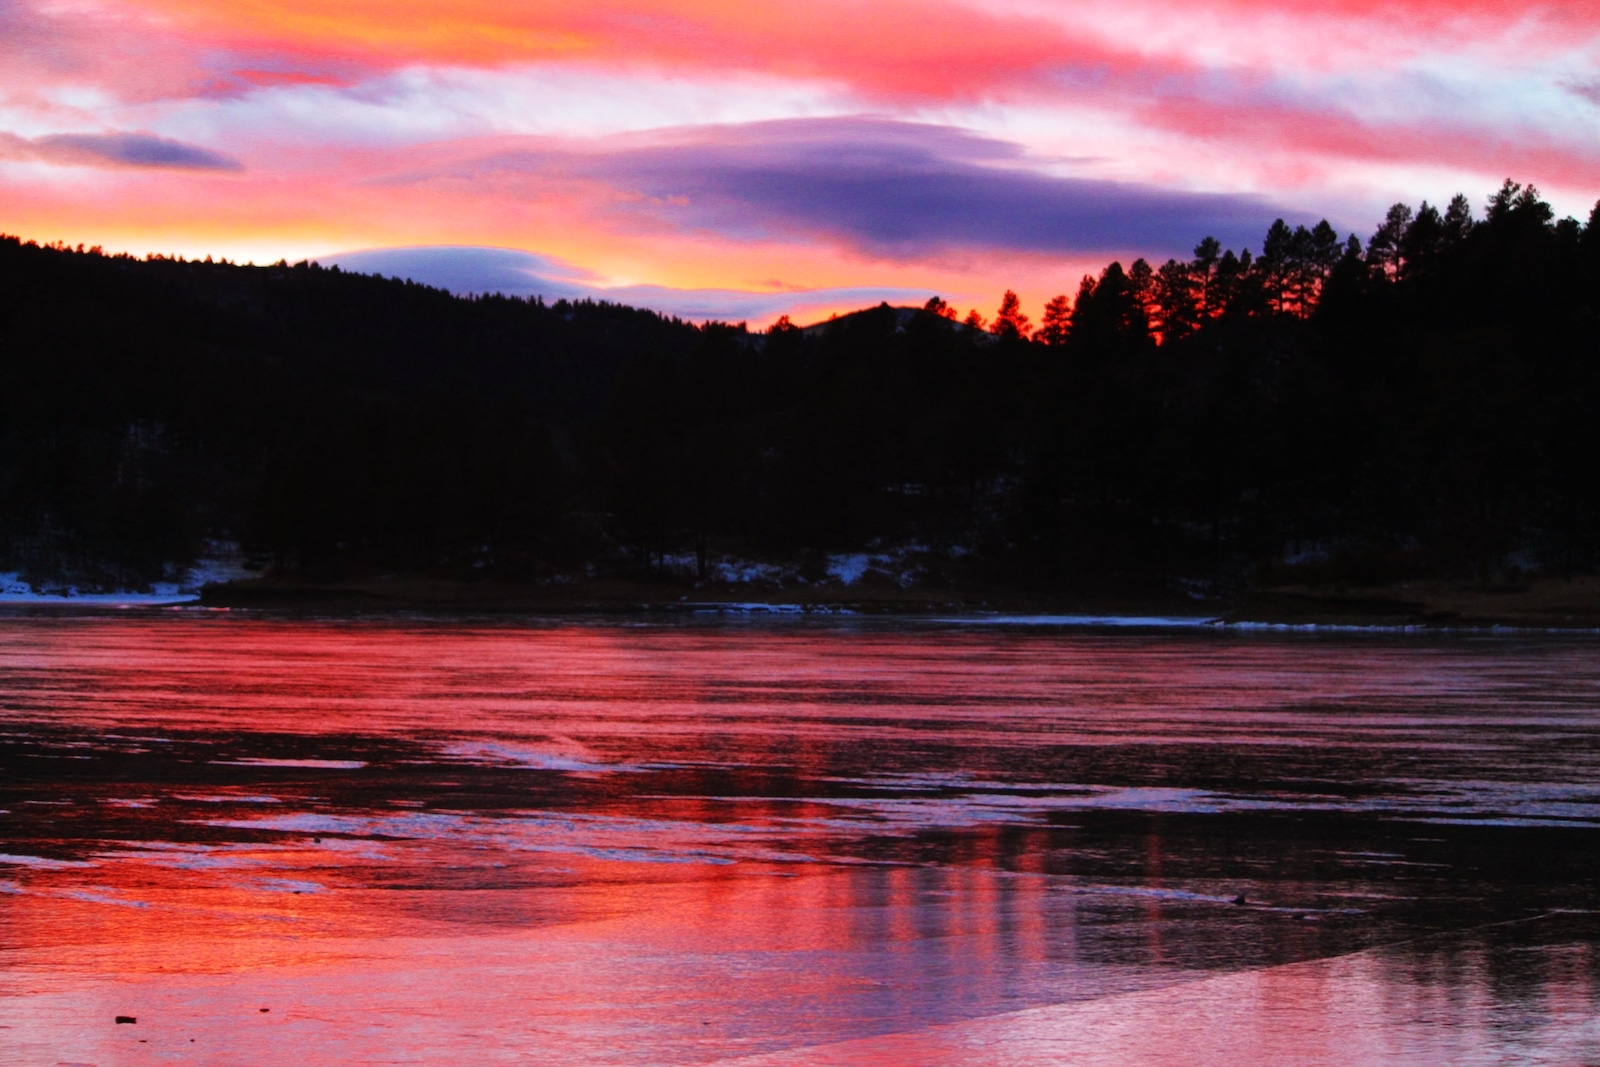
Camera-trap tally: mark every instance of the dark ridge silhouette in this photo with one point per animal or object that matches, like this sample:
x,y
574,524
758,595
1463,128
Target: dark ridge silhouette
x,y
1424,403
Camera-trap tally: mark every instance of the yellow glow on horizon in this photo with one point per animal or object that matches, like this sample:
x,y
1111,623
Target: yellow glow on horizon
x,y
268,229
462,31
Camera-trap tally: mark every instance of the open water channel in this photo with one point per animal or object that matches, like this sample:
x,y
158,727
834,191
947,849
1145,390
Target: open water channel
x,y
296,841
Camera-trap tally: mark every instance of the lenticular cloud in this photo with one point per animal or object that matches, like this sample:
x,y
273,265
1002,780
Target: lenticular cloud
x,y
890,188
116,150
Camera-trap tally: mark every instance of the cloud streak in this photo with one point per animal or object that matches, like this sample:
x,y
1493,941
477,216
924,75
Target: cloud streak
x,y
141,150
888,50
890,189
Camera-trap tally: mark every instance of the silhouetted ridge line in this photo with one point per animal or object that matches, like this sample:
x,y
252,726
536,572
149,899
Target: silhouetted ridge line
x,y
1424,402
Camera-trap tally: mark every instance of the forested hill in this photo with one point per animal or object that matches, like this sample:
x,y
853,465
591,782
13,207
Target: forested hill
x,y
149,405
1424,401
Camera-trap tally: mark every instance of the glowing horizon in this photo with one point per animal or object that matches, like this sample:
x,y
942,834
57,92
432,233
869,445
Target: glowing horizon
x,y
954,146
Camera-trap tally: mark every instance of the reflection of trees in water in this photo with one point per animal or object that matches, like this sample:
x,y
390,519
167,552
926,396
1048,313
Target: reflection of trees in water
x,y
1510,978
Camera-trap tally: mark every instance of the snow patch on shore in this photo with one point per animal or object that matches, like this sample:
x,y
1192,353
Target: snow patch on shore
x,y
223,563
904,564
730,570
848,568
13,590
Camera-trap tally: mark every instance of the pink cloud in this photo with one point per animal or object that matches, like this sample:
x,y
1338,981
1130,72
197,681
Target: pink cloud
x,y
906,50
377,121
1301,132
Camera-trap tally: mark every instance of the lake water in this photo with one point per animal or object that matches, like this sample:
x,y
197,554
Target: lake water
x,y
300,841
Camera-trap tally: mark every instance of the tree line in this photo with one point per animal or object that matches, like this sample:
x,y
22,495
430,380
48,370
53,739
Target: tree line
x,y
1425,401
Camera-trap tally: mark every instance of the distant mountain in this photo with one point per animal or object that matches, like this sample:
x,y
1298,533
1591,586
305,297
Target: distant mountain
x,y
472,271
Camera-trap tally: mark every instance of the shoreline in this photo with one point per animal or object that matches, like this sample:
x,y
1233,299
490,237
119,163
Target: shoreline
x,y
1538,606
1552,604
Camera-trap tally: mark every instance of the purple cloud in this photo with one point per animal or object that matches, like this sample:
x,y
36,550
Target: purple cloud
x,y
896,189
132,150
115,150
1590,91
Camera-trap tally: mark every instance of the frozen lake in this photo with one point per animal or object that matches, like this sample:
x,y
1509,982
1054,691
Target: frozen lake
x,y
301,841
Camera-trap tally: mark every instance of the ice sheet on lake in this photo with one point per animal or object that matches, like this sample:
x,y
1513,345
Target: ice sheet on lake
x,y
602,837
40,862
307,764
560,754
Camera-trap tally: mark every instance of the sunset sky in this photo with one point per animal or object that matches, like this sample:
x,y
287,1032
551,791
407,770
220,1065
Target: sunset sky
x,y
738,159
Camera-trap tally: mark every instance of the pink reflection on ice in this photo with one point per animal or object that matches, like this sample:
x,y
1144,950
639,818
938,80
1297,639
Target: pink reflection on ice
x,y
791,844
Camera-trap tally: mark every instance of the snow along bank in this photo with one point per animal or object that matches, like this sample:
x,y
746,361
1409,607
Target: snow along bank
x,y
186,590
